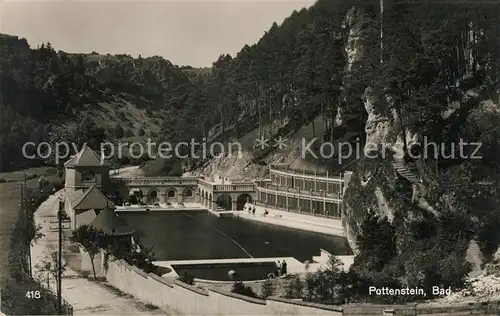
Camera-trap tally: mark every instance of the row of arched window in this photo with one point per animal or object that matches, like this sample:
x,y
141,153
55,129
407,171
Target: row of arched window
x,y
171,193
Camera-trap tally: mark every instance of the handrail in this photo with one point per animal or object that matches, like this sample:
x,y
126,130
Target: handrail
x,y
155,178
159,181
310,193
250,187
306,173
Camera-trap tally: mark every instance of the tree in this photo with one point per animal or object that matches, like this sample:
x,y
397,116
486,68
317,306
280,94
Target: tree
x,y
332,278
48,267
128,133
91,240
118,131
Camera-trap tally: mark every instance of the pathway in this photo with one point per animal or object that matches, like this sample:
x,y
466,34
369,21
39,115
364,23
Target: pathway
x,y
405,172
127,172
328,226
87,298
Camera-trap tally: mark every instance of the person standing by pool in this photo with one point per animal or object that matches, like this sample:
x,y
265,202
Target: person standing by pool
x,y
278,269
253,211
283,268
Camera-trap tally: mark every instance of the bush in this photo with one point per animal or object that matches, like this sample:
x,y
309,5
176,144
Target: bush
x,y
295,289
2,180
267,289
242,289
141,132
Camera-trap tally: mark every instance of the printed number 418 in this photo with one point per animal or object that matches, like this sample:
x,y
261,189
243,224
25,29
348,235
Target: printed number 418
x,y
33,294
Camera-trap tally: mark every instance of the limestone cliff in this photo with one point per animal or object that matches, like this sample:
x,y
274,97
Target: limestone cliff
x,y
407,192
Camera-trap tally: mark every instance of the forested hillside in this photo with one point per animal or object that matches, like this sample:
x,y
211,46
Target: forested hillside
x,y
42,89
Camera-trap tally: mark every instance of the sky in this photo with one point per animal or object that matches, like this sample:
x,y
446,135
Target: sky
x,y
192,33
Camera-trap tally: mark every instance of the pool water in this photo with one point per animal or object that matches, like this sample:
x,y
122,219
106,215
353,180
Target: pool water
x,y
194,235
219,272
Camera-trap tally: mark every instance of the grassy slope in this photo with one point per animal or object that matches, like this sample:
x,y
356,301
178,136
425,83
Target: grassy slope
x,y
10,194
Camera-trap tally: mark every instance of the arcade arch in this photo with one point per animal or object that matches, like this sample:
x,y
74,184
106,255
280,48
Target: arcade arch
x,y
224,201
242,200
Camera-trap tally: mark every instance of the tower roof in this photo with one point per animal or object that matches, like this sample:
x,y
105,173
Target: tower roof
x,y
87,157
111,224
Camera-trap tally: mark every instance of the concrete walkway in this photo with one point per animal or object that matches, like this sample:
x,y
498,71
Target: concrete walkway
x,y
86,297
328,226
127,172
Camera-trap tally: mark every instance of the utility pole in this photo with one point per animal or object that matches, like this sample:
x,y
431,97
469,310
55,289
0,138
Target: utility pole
x,y
24,214
30,270
59,260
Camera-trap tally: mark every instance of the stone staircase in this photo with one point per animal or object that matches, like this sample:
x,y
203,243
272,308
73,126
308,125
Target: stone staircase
x,y
409,174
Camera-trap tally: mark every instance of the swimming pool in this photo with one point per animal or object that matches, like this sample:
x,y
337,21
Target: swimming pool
x,y
194,235
219,272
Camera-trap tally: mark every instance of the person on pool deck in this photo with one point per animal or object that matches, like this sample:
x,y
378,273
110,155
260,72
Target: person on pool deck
x,y
266,212
253,211
283,268
278,268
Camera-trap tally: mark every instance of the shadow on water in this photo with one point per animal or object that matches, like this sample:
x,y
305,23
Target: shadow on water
x,y
237,244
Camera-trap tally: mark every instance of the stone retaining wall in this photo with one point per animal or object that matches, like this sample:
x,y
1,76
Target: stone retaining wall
x,y
177,297
425,309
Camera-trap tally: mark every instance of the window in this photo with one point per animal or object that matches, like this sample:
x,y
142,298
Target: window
x,y
88,175
188,193
171,193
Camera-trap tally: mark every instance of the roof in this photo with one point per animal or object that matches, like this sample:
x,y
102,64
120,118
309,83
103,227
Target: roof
x,y
111,224
91,199
73,195
87,157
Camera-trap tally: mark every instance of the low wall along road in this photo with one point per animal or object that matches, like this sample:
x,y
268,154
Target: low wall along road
x,y
176,297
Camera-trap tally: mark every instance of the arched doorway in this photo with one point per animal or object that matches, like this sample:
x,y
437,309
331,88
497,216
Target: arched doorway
x,y
188,192
224,201
170,195
242,200
153,195
205,200
188,195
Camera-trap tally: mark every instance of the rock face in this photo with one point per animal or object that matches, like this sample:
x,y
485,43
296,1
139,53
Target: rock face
x,y
357,22
375,184
366,194
367,191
